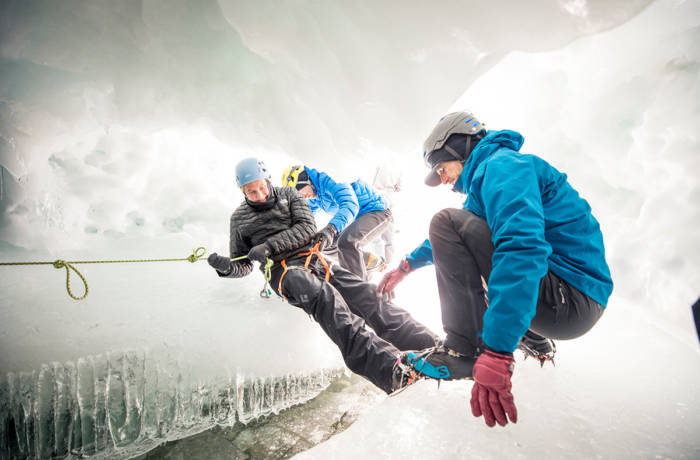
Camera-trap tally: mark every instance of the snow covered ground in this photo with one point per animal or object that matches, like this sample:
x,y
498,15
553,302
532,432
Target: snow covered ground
x,y
628,389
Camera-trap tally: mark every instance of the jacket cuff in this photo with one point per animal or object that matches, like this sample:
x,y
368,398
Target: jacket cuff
x,y
504,353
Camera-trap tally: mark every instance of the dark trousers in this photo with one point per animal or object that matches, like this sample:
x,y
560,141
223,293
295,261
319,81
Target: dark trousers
x,y
363,230
342,306
462,251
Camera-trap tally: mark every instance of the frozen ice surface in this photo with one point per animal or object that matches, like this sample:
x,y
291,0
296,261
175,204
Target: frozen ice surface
x,y
625,390
284,434
122,404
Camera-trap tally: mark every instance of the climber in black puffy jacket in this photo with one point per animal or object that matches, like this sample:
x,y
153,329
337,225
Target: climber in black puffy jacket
x,y
277,224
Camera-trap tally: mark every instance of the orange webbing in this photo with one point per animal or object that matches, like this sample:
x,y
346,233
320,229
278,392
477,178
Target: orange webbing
x,y
309,254
313,251
283,262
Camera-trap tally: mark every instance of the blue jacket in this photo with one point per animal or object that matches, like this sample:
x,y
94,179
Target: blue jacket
x,y
346,202
538,223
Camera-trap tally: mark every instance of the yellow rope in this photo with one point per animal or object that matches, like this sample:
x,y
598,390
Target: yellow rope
x,y
196,255
266,291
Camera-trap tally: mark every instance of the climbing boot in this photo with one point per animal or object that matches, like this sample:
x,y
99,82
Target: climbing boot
x,y
439,363
402,377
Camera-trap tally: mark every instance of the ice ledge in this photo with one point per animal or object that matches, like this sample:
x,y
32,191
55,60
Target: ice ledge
x,y
127,402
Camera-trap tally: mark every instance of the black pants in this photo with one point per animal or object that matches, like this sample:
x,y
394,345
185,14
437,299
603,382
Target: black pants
x,y
342,306
462,251
363,230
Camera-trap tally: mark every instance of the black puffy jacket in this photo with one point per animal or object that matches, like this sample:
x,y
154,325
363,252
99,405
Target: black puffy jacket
x,y
287,228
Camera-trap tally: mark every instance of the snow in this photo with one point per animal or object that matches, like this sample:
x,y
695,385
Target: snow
x,y
121,124
626,390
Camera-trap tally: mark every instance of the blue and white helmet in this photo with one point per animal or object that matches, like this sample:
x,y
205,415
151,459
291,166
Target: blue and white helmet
x,y
250,170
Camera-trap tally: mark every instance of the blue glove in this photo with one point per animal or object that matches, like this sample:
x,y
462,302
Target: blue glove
x,y
220,263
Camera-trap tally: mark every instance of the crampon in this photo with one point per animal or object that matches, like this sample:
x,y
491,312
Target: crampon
x,y
542,349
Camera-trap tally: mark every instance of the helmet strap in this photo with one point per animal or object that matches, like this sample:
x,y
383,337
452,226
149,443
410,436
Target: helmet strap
x,y
467,148
454,153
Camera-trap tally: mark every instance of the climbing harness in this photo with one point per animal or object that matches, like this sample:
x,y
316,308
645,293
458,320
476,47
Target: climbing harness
x,y
196,255
310,253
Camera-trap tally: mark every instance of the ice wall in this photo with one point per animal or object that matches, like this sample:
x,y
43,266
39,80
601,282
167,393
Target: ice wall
x,y
128,117
122,404
120,125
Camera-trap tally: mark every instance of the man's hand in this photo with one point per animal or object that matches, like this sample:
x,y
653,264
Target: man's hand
x,y
491,396
392,278
259,253
220,263
325,236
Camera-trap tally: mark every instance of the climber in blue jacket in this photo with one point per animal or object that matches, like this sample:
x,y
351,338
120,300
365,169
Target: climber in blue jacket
x,y
360,215
520,264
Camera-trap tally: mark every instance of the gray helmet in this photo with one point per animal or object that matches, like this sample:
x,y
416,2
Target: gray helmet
x,y
249,170
435,146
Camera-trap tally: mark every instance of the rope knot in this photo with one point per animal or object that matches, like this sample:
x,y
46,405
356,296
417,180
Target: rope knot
x,y
197,254
59,263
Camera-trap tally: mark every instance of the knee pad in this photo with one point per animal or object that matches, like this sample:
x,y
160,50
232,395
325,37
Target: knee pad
x,y
301,287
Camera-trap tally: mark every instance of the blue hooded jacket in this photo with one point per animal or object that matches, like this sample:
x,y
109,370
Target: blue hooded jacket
x,y
538,223
345,202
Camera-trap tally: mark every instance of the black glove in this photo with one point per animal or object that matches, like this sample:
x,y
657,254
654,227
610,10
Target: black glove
x,y
220,263
325,236
259,253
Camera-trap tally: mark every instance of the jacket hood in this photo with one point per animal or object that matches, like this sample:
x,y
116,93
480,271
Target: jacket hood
x,y
493,141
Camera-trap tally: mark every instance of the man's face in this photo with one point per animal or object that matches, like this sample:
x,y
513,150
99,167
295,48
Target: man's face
x,y
256,191
449,171
307,192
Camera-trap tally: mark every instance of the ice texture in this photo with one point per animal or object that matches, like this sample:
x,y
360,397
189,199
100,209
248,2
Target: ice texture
x,y
124,403
121,124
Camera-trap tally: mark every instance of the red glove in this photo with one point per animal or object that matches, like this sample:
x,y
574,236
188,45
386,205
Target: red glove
x,y
393,277
491,396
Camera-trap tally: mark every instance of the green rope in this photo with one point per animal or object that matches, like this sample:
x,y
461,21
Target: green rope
x,y
196,255
268,273
266,291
